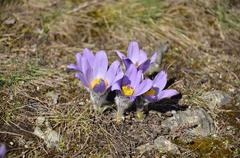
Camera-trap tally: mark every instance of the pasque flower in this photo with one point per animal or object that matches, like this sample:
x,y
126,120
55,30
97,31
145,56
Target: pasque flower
x,y
156,92
137,57
129,87
93,71
3,150
132,83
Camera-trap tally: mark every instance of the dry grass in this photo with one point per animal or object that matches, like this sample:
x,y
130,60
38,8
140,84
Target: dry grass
x,y
39,38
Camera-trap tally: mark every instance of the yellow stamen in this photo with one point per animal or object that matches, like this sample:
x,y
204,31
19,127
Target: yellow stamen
x,y
127,90
97,81
150,92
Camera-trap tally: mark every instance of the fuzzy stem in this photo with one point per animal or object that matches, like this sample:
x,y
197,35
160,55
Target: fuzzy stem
x,y
123,103
141,108
99,100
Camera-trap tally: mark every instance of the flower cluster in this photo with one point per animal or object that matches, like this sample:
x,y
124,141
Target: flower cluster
x,y
101,79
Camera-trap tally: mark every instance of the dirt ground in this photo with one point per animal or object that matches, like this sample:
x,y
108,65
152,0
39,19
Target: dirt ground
x,y
38,38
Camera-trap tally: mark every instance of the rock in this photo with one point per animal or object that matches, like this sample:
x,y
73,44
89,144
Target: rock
x,y
164,145
54,97
194,122
161,144
40,120
216,99
145,148
10,21
50,136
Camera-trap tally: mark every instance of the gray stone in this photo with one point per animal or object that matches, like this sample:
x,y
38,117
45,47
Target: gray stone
x,y
164,145
50,136
194,122
216,99
145,148
53,96
10,21
161,144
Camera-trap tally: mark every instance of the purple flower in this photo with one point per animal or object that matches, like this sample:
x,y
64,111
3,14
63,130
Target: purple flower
x,y
93,71
88,54
132,85
137,57
3,150
156,92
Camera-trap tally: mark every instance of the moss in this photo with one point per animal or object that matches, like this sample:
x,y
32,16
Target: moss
x,y
209,147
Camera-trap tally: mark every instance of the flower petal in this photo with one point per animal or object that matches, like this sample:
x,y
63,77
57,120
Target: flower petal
x,y
100,64
153,58
119,75
144,66
3,150
78,58
160,80
168,93
120,55
125,81
82,78
144,86
87,53
112,72
72,66
133,51
127,62
142,57
138,79
116,86
85,65
150,98
131,73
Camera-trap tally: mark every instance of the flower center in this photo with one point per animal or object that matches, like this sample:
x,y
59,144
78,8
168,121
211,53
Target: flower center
x,y
127,90
97,82
150,92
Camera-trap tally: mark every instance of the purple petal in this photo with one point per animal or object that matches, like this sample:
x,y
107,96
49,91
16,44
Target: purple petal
x,y
3,150
127,62
144,86
137,80
125,80
150,98
100,64
99,88
160,80
144,66
78,58
133,51
120,55
72,66
82,78
119,75
76,66
142,57
88,55
111,73
131,73
85,65
116,86
167,93
89,76
153,58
